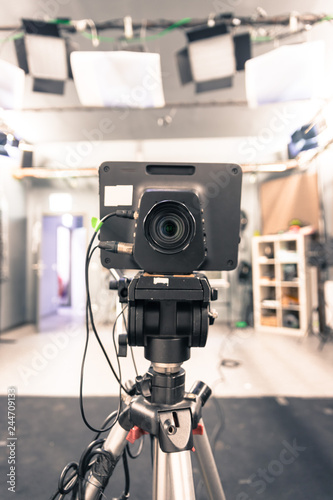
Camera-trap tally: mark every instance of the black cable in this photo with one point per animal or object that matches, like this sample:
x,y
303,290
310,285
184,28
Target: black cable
x,y
118,362
118,24
151,449
93,454
220,426
105,423
132,455
66,487
89,316
81,386
84,464
74,483
84,460
126,493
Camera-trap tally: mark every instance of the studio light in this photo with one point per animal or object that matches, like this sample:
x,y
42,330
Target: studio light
x,y
8,144
118,79
12,81
303,139
212,57
43,53
289,73
3,142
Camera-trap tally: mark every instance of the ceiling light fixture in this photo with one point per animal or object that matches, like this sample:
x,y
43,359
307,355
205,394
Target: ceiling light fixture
x,y
118,79
44,54
289,73
212,57
12,81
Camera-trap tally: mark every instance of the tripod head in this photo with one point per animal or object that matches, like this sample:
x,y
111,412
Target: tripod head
x,y
167,315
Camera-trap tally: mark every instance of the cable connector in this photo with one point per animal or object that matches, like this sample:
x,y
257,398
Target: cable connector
x,y
116,247
127,214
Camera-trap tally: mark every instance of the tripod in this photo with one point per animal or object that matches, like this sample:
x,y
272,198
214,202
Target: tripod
x,y
162,409
167,315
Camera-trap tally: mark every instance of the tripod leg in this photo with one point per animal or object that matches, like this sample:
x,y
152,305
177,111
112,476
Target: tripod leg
x,y
207,466
172,475
114,444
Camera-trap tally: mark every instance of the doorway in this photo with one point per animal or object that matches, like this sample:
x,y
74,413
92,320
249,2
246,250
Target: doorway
x,y
61,287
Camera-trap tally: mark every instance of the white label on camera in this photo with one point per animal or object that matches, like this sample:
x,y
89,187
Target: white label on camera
x,y
115,196
162,281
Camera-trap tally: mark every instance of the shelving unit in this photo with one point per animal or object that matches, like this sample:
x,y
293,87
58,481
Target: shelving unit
x,y
281,284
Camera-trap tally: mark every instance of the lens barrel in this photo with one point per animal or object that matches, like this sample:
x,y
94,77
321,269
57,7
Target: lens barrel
x,y
169,227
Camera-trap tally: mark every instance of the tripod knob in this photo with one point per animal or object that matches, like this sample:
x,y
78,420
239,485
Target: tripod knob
x,y
212,315
122,341
143,384
202,390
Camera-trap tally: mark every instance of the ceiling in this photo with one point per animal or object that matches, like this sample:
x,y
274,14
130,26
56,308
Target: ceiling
x,y
39,124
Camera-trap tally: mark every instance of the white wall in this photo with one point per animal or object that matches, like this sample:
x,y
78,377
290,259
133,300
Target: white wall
x,y
12,291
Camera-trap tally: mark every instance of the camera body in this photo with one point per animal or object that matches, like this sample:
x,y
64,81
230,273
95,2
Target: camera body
x,y
188,215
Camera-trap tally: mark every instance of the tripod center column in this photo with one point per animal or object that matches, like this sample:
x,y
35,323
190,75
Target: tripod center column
x,y
167,383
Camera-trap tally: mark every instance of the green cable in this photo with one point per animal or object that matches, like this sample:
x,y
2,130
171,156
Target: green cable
x,y
326,18
173,26
96,224
100,38
66,22
16,36
262,39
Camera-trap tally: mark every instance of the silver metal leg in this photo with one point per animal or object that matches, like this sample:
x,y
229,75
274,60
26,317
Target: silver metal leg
x,y
115,443
207,466
172,475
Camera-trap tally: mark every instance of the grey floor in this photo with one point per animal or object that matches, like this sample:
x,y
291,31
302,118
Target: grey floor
x,y
273,392
48,362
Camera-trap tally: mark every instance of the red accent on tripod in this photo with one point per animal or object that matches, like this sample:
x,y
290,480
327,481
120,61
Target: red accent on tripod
x,y
199,430
134,434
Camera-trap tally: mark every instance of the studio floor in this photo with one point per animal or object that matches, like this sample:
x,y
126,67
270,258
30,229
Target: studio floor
x,y
235,363
274,397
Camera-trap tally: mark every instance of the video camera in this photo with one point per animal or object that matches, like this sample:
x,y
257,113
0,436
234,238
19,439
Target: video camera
x,y
188,215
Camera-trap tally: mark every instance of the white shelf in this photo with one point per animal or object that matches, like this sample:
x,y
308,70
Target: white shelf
x,y
279,257
264,260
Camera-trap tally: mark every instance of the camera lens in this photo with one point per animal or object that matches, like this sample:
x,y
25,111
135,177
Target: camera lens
x,y
169,227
